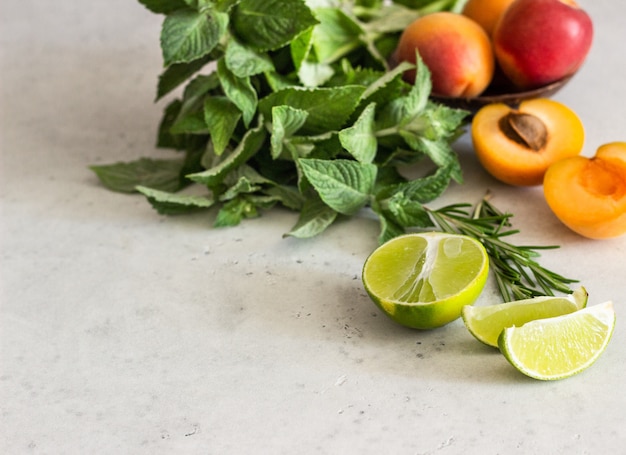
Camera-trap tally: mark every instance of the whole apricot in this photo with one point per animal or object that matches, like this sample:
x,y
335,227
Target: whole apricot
x,y
517,146
486,12
456,50
537,42
589,194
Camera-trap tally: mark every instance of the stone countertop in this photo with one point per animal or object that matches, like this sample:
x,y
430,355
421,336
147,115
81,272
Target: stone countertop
x,y
124,332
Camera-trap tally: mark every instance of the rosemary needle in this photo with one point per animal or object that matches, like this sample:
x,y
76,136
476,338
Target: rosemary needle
x,y
518,274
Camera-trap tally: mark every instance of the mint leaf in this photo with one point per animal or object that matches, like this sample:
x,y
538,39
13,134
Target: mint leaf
x,y
285,122
239,90
369,3
249,145
442,121
167,203
386,79
288,196
359,139
165,138
300,47
328,108
402,204
336,35
277,81
297,147
190,118
125,177
388,228
234,211
163,6
439,151
310,72
403,112
244,180
197,88
188,35
315,217
245,62
177,74
315,74
224,5
190,123
221,116
391,19
418,97
243,186
407,212
249,173
262,201
429,188
344,185
263,192
271,24
202,4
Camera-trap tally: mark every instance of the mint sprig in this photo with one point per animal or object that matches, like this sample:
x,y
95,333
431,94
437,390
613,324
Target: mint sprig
x,y
292,102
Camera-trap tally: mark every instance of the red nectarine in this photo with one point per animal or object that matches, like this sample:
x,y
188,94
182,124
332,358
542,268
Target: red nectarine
x,y
537,42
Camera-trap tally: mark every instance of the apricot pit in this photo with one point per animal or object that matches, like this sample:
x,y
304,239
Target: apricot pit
x,y
517,145
525,129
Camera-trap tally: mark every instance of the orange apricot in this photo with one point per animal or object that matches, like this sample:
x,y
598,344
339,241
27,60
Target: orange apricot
x,y
516,146
486,12
588,195
456,50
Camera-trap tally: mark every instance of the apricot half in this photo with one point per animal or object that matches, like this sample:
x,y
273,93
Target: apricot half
x,y
589,194
517,146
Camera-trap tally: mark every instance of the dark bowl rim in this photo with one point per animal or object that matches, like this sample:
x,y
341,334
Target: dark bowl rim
x,y
512,98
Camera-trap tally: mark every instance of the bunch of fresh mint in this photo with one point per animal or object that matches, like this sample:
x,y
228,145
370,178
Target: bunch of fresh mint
x,y
293,102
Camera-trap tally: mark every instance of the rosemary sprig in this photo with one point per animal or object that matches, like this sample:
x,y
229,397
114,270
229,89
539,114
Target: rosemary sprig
x,y
517,273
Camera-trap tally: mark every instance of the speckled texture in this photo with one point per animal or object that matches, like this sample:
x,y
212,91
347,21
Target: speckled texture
x,y
123,332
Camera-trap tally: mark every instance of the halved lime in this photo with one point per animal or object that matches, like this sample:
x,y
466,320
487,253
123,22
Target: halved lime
x,y
487,322
559,347
423,280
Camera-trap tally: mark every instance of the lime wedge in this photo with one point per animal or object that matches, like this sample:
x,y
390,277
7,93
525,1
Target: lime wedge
x,y
487,322
424,280
559,347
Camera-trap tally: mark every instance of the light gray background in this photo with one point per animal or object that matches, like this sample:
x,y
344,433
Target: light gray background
x,y
124,332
